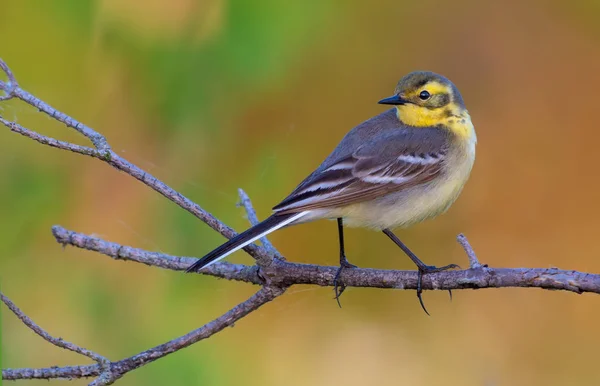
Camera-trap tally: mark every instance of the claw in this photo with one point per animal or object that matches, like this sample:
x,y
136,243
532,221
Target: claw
x,y
338,286
422,267
420,291
431,269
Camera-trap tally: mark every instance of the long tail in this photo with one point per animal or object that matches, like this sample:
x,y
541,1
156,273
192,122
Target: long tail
x,y
269,225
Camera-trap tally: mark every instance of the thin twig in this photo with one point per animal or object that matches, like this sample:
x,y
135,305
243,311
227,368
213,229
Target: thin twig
x,y
9,74
264,295
122,367
59,342
54,372
103,152
473,261
227,271
253,219
52,142
123,165
11,85
96,138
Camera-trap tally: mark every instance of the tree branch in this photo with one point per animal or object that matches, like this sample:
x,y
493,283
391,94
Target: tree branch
x,y
7,87
473,261
275,276
109,372
59,342
253,219
264,295
103,152
227,271
286,273
54,372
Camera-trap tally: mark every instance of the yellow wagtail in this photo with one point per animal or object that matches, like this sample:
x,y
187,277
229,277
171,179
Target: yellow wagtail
x,y
399,168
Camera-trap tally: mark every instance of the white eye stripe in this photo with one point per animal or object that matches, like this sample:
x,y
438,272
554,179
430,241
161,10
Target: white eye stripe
x,y
427,160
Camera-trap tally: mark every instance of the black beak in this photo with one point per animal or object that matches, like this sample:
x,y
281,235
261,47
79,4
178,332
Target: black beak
x,y
393,100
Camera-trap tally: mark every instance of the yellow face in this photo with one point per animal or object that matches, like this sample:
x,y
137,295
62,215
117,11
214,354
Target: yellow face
x,y
428,105
425,99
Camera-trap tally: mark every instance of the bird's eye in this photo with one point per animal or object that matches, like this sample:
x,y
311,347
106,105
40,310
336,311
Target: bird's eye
x,y
424,95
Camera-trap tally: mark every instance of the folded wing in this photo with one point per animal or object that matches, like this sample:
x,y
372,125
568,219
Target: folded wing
x,y
397,160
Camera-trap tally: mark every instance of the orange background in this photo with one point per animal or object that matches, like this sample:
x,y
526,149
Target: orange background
x,y
214,95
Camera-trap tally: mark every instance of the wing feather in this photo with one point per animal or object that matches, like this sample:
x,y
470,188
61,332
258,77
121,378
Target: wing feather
x,y
390,163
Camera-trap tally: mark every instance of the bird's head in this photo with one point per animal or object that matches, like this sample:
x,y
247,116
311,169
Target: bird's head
x,y
426,99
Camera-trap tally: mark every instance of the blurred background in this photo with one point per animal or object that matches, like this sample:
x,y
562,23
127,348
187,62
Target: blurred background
x,y
214,95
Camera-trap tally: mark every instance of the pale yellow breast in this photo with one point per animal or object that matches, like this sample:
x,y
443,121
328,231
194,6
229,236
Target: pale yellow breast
x,y
410,206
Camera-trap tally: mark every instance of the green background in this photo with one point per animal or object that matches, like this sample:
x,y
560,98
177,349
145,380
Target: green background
x,y
214,95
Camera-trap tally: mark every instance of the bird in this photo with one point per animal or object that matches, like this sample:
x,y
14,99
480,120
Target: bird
x,y
399,168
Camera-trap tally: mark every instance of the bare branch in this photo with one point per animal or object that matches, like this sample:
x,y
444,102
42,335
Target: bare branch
x,y
253,218
52,142
13,90
9,86
475,278
264,295
103,152
116,370
473,261
59,342
54,372
285,273
96,138
227,271
9,74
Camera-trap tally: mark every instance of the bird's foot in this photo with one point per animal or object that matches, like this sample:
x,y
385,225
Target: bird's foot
x,y
338,284
425,269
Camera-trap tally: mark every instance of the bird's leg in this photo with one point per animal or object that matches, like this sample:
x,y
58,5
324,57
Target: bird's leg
x,y
338,285
422,267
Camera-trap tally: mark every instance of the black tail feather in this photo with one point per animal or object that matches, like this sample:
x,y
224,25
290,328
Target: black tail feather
x,y
238,240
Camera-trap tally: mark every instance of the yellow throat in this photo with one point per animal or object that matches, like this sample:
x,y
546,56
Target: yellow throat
x,y
451,117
